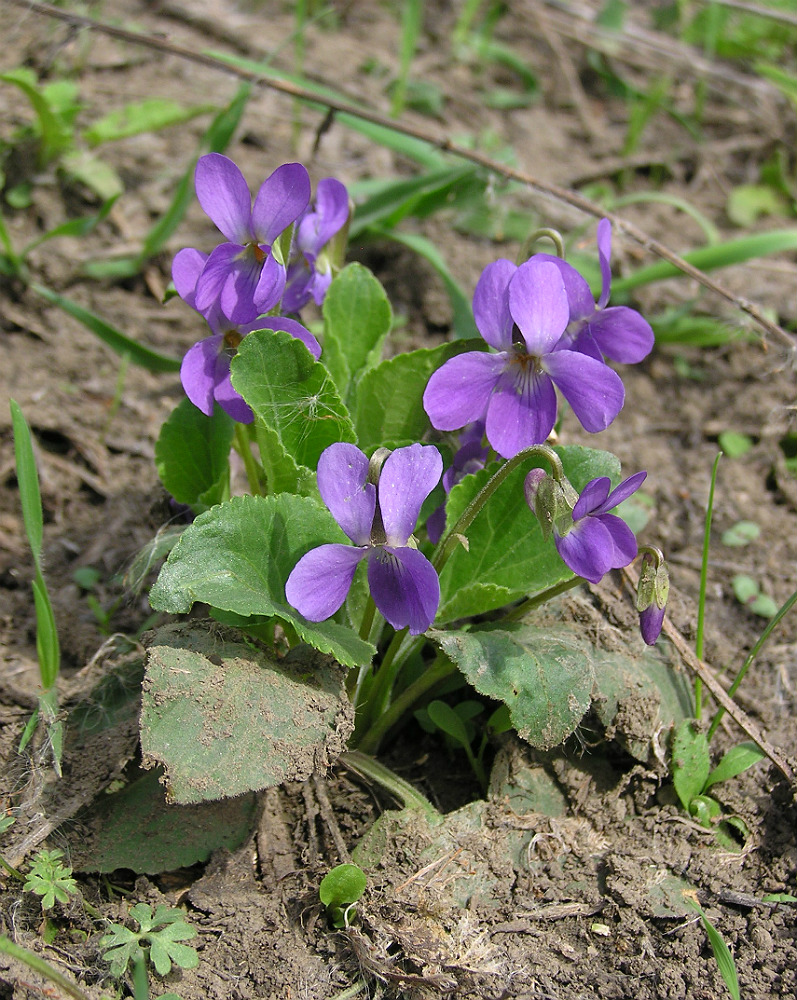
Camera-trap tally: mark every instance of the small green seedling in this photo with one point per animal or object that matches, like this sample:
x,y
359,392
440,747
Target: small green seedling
x,y
51,879
158,940
748,592
339,891
734,444
693,777
722,952
741,534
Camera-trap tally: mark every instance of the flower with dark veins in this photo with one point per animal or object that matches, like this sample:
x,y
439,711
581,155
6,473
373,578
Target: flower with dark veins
x,y
243,275
522,313
379,520
205,370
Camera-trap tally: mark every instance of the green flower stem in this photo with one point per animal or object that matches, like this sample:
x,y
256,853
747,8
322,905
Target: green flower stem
x,y
547,233
441,669
447,545
38,964
241,443
783,610
379,691
701,603
366,766
544,596
368,619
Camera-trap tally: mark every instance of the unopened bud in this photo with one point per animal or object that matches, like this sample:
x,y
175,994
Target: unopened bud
x,y
551,500
651,598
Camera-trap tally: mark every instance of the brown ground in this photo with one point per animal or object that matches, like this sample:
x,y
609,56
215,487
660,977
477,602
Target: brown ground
x,y
501,901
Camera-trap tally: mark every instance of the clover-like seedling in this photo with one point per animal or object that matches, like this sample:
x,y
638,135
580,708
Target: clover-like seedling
x,y
158,939
339,891
51,879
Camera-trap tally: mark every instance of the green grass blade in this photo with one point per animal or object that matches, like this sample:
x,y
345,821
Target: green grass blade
x,y
47,646
28,480
710,231
55,135
411,21
33,961
713,257
74,227
115,339
722,953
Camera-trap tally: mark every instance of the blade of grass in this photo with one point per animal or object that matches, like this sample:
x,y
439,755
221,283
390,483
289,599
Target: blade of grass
x,y
411,20
115,339
38,964
701,602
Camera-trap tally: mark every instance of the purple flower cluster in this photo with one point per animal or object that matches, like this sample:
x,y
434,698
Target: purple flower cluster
x,y
245,278
547,333
379,520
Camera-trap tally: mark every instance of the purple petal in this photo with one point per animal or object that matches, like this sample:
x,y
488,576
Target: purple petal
x,y
578,338
295,329
270,284
187,266
579,294
521,413
459,391
198,372
491,304
538,304
621,492
436,524
593,390
650,623
604,236
298,286
228,282
344,488
320,581
622,334
231,401
588,549
592,497
318,227
624,544
407,478
224,195
404,587
282,198
319,285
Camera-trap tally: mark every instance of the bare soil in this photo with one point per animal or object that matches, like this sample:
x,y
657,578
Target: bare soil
x,y
583,898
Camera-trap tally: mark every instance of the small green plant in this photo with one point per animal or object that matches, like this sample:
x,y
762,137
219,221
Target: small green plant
x,y
457,722
748,592
158,940
339,891
51,879
722,952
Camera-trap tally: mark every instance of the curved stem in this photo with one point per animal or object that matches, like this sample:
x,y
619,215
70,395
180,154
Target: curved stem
x,y
542,598
447,544
366,766
437,672
379,691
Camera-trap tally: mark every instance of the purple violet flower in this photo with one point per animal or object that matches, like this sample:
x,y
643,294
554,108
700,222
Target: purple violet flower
x,y
650,623
205,371
522,312
310,270
379,521
243,275
618,332
598,541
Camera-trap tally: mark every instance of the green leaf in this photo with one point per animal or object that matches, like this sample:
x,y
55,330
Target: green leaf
x,y
291,393
142,116
56,134
224,716
544,676
690,762
742,533
747,202
114,338
388,402
722,953
748,593
357,318
27,480
192,454
237,557
733,444
95,173
446,719
507,557
705,809
136,828
736,760
342,886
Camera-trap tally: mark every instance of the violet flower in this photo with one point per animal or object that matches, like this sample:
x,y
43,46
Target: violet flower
x,y
243,275
618,332
379,521
597,541
522,312
310,267
205,371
